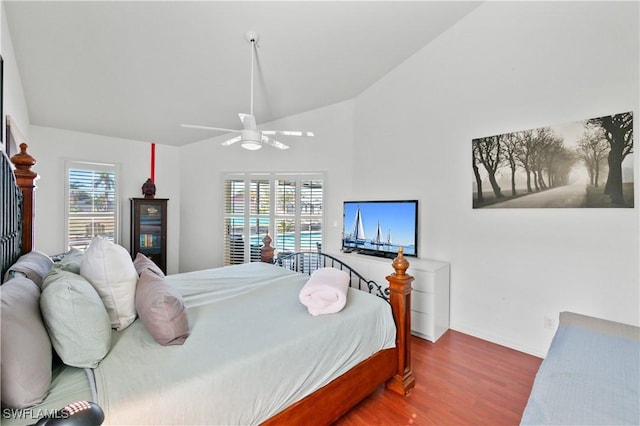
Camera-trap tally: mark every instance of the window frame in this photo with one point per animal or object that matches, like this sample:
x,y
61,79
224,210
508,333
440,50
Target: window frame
x,y
94,167
272,216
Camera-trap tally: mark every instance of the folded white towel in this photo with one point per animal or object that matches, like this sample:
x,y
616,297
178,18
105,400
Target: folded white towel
x,y
326,291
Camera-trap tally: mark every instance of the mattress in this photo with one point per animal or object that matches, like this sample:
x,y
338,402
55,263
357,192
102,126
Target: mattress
x,y
68,384
253,350
591,375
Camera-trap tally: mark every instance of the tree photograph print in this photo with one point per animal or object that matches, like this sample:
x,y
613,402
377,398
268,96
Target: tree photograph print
x,y
580,164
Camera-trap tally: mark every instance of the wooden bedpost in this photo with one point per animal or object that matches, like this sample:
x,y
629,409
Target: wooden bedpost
x,y
25,178
400,296
266,251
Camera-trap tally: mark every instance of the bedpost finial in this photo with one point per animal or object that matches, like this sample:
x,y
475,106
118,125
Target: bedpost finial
x,y
267,239
400,264
266,251
23,162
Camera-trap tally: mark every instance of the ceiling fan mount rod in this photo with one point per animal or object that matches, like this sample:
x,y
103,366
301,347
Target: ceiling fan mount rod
x,y
252,37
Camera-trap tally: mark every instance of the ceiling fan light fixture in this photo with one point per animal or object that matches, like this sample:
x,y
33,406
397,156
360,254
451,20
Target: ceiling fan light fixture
x,y
251,145
251,140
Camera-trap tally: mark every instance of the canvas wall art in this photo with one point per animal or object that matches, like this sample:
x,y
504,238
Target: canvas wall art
x,y
584,164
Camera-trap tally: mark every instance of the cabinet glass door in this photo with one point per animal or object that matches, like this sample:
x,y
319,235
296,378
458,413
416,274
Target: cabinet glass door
x,y
150,228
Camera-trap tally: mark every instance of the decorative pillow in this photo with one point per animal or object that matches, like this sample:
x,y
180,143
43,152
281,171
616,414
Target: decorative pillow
x,y
161,309
109,268
70,261
13,274
34,265
25,351
142,262
77,321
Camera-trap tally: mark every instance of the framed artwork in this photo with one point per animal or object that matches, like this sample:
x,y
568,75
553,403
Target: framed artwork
x,y
584,164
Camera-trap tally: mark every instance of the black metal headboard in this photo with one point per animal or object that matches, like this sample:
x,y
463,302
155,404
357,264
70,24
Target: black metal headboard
x,y
307,262
11,220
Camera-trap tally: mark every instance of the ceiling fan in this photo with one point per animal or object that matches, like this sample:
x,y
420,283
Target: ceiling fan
x,y
250,137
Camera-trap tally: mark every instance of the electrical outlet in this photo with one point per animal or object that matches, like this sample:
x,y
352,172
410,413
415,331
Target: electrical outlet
x,y
549,322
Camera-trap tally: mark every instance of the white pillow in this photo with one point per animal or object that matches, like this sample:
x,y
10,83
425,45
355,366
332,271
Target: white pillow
x,y
109,268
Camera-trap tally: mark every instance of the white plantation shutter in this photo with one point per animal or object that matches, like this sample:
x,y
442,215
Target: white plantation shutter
x,y
289,206
259,214
91,203
285,215
234,208
311,211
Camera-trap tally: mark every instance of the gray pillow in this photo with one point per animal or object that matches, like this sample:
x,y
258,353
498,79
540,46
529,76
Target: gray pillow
x,y
70,261
25,351
77,321
34,265
161,309
142,262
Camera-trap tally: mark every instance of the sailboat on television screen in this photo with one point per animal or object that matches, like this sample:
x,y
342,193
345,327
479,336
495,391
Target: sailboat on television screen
x,y
379,240
356,236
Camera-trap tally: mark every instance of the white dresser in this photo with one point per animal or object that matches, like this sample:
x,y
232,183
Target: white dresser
x,y
430,295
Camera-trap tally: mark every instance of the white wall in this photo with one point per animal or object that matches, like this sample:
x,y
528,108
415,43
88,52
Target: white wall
x,y
509,66
52,147
13,96
204,163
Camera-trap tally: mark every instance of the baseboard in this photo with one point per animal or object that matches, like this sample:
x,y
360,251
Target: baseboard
x,y
498,340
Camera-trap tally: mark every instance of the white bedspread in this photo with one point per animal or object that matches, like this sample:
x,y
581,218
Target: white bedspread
x,y
253,350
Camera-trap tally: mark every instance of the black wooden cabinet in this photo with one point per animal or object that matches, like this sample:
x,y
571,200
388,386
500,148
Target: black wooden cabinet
x,y
149,229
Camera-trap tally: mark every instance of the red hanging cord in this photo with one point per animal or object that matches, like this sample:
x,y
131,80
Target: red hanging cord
x,y
153,162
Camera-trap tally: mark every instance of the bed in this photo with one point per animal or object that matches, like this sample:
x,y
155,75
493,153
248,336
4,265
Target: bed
x,y
252,354
591,375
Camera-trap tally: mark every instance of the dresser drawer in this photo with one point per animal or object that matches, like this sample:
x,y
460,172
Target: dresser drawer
x,y
423,282
422,323
421,302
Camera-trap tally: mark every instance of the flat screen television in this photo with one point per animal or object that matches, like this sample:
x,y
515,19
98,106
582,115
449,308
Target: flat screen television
x,y
378,228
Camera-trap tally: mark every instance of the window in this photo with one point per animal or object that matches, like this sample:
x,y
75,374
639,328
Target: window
x,y
287,205
91,203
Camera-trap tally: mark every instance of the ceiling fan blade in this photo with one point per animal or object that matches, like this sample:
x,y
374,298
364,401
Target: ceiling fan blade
x,y
286,133
274,143
231,141
251,137
248,121
196,126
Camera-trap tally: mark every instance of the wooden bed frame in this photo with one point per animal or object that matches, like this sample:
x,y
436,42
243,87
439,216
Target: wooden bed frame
x,y
390,366
17,189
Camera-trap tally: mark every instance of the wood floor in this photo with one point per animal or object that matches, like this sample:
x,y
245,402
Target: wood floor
x,y
460,380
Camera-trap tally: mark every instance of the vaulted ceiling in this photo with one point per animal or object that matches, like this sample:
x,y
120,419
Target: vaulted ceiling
x,y
137,69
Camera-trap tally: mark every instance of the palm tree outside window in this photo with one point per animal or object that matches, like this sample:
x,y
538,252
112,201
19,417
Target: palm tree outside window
x,y
91,203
